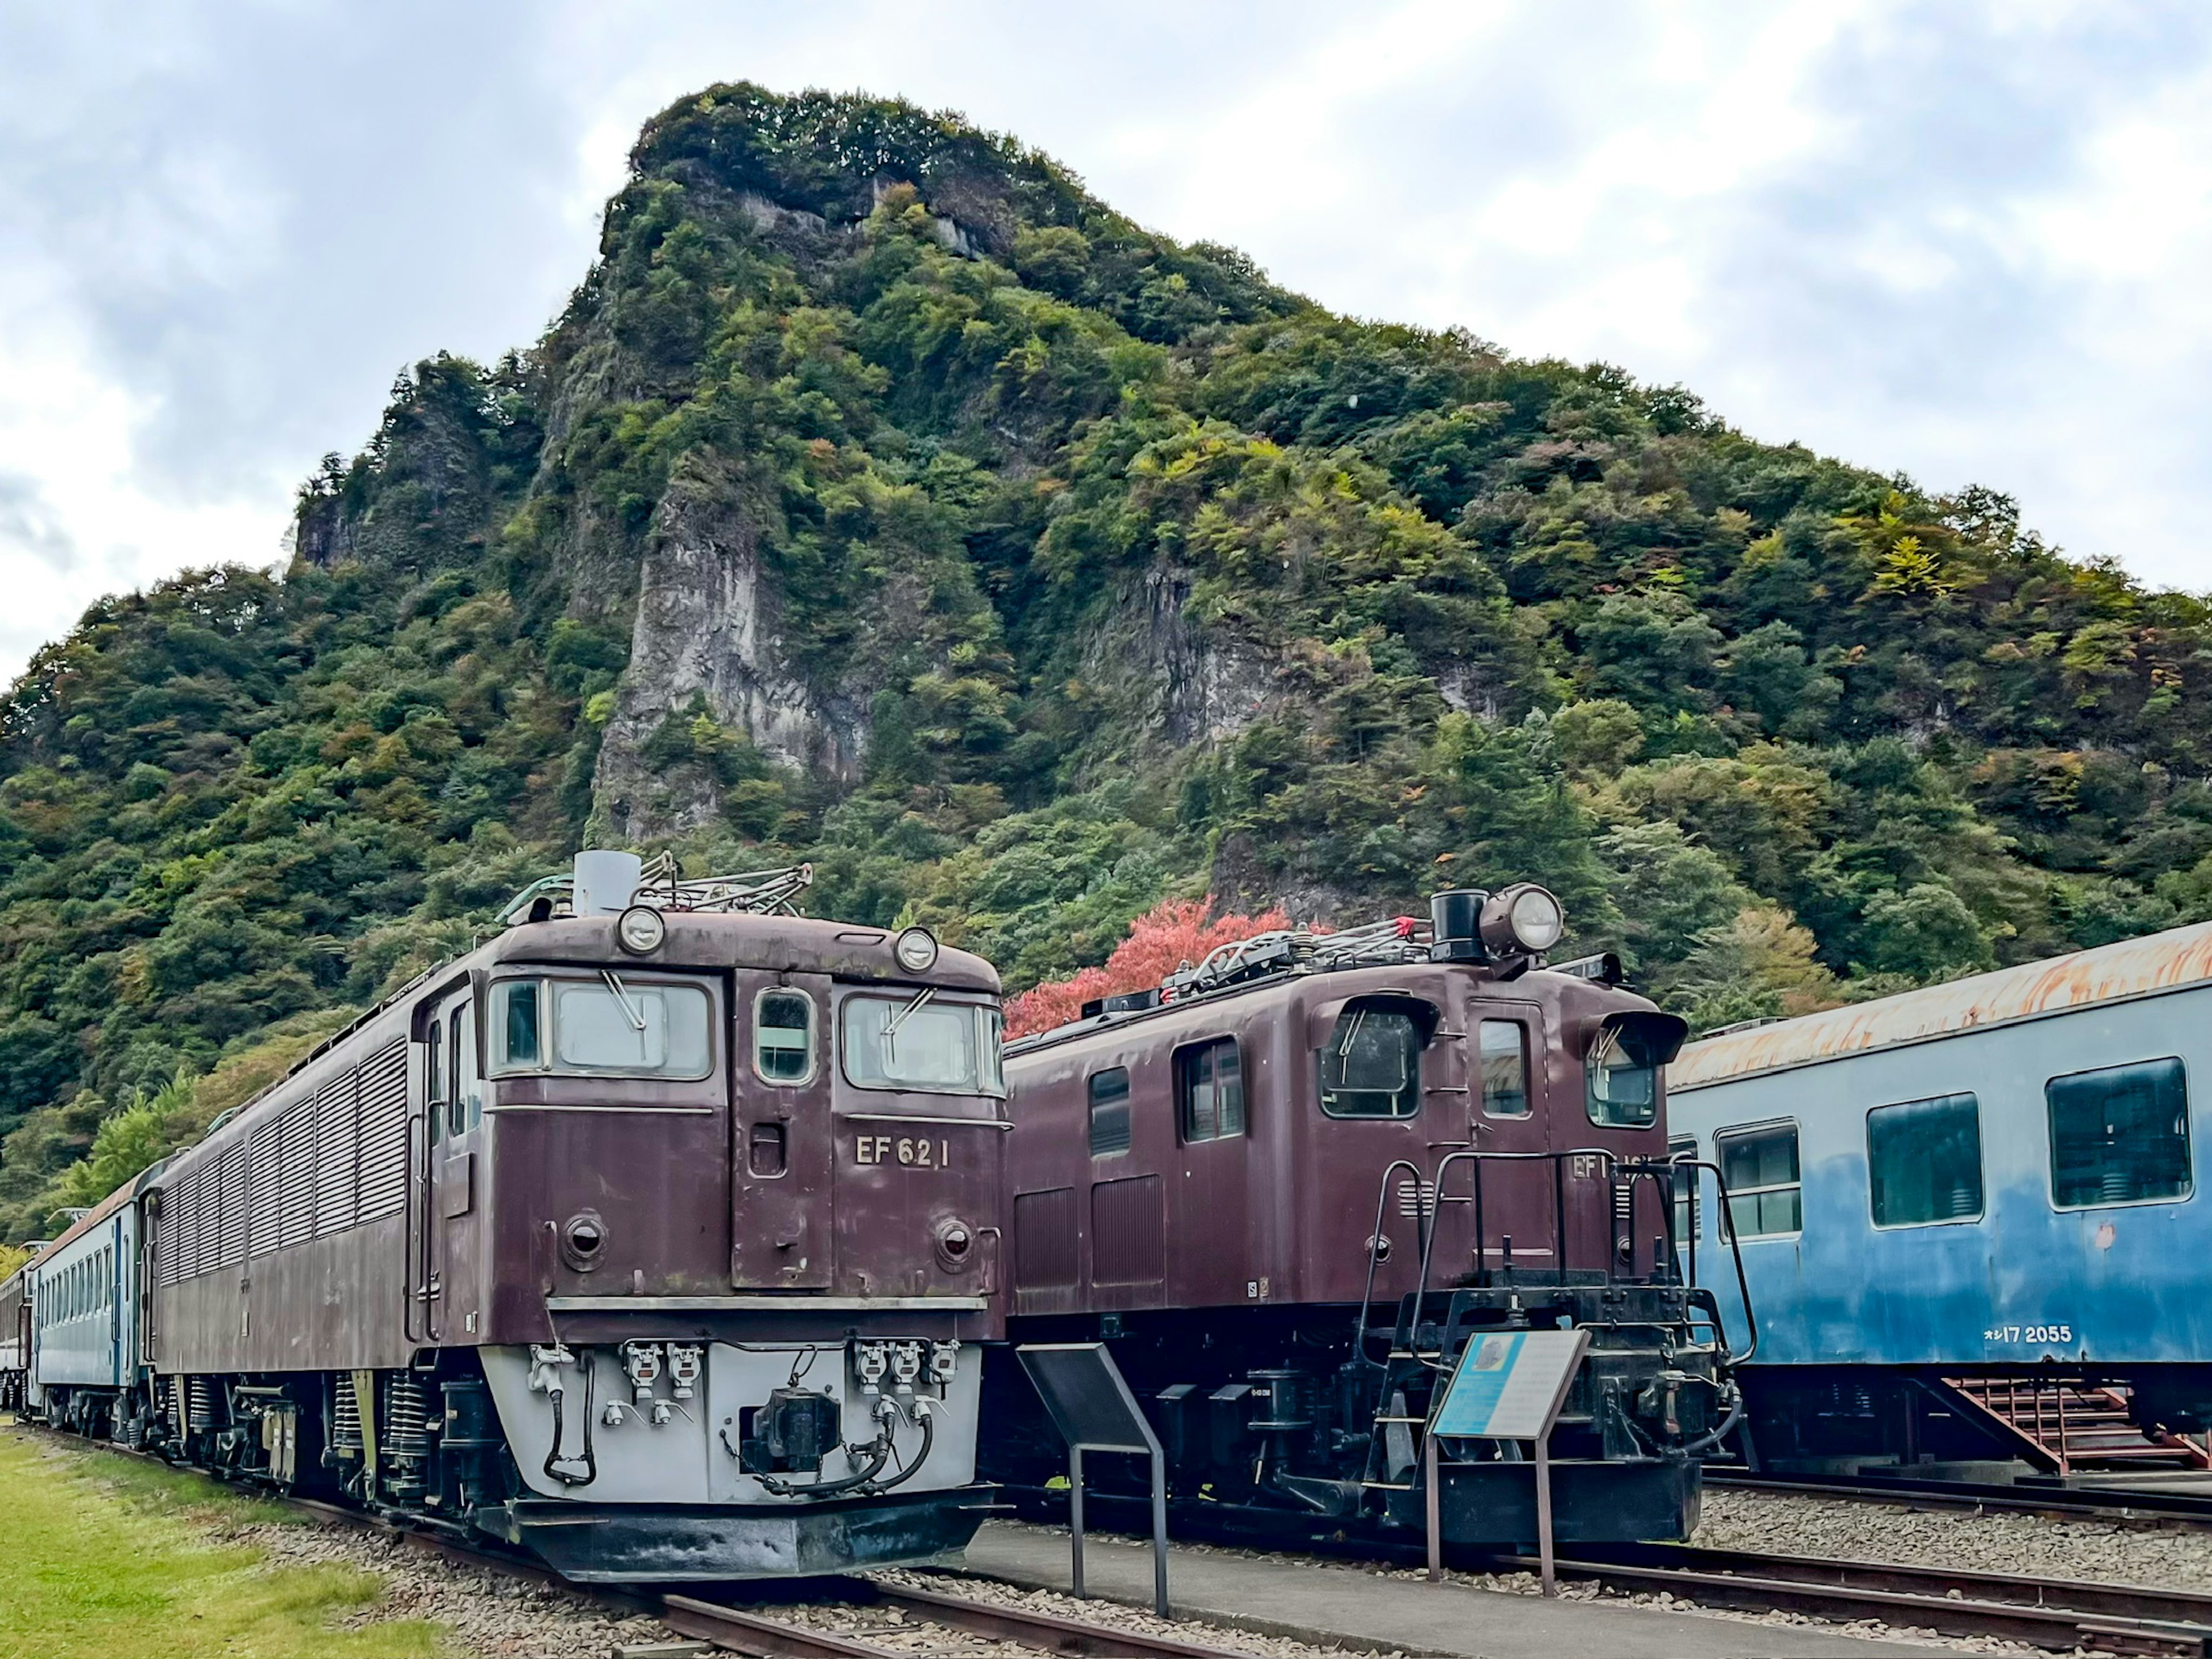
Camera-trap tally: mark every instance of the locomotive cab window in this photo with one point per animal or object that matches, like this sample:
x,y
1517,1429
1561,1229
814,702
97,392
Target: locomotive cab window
x,y
2119,1135
610,1026
1621,1075
1109,1112
1210,1090
918,1043
783,1037
1505,1061
1371,1066
1760,1168
1924,1161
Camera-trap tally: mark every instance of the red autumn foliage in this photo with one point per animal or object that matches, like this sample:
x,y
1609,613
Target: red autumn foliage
x,y
1160,941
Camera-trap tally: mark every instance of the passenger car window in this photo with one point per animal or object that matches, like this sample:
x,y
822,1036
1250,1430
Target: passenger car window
x,y
2119,1135
1689,1207
1109,1112
1924,1161
915,1042
1371,1066
1210,1090
1504,1069
783,1037
1760,1166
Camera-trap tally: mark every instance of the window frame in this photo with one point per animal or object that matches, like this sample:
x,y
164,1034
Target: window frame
x,y
1720,1138
1483,1022
1981,1164
813,1037
1180,1060
548,1028
1414,1088
990,1040
2188,1139
1091,1103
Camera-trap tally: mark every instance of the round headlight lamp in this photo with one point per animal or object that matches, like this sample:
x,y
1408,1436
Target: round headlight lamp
x,y
915,950
1523,920
641,929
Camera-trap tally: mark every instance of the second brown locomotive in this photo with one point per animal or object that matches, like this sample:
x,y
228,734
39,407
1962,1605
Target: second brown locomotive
x,y
1289,1185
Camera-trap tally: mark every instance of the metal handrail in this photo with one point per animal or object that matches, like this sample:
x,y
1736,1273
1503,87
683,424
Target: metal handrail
x,y
1374,1240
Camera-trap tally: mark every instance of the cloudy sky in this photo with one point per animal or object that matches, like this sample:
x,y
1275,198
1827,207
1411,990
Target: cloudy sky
x,y
1967,242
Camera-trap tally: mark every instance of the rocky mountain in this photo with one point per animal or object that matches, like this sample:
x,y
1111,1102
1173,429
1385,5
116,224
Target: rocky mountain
x,y
884,499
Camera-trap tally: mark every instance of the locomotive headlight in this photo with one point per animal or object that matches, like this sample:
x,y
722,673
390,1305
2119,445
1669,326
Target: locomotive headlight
x,y
1523,919
916,950
640,930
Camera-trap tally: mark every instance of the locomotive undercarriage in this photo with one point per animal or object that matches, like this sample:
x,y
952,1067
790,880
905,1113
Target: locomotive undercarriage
x,y
430,1445
1272,1420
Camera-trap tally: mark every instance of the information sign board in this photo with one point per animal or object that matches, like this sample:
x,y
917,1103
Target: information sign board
x,y
1510,1385
1507,1385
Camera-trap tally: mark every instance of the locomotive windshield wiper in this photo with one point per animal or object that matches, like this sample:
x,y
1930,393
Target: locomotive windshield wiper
x,y
635,1014
891,1025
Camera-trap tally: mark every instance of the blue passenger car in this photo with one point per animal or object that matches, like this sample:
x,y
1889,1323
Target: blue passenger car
x,y
1991,1180
83,1294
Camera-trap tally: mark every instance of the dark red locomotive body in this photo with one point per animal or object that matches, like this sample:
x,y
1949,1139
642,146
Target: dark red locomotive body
x,y
1236,1184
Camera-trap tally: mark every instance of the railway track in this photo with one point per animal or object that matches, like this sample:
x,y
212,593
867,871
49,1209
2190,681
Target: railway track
x,y
2115,1506
2047,1612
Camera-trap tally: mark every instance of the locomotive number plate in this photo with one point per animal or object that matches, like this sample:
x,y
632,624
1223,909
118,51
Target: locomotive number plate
x,y
916,1152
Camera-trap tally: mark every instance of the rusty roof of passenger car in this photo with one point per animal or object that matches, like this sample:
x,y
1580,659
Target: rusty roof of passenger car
x,y
2170,961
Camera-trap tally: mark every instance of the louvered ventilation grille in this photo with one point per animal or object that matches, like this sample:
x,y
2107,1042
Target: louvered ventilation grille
x,y
227,1216
295,1177
170,1265
336,1142
1415,1199
384,1132
264,1165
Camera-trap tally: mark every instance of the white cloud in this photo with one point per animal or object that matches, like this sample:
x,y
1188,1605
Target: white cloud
x,y
1964,241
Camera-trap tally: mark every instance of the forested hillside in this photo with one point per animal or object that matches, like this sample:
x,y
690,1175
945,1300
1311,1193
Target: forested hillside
x,y
883,499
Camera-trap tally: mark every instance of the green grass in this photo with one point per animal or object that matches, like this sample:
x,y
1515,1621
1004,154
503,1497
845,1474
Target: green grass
x,y
108,1557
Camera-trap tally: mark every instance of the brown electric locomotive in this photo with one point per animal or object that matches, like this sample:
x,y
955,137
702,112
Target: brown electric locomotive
x,y
658,1234
1288,1186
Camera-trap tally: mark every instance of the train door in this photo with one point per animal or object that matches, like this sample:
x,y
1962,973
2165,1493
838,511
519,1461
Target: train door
x,y
782,1075
443,1030
458,1173
1508,1114
1209,1177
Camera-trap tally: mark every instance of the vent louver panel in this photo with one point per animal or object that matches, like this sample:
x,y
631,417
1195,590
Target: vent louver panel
x,y
338,1138
296,1179
384,1132
265,1168
227,1211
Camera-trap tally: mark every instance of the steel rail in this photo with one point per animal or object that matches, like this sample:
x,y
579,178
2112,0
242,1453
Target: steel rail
x,y
2114,1505
2054,1614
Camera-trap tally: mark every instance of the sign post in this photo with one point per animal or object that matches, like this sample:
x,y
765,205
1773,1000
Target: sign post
x,y
1507,1385
1092,1407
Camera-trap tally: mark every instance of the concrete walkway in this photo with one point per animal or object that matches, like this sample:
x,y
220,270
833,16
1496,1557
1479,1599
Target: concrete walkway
x,y
1324,1603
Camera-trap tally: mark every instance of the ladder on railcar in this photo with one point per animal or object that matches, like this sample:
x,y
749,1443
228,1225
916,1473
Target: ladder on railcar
x,y
2065,1426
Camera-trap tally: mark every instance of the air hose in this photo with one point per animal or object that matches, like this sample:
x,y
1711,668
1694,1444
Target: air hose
x,y
1705,1442
561,1469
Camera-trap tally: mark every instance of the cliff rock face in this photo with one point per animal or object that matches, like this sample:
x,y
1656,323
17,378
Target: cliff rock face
x,y
708,637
